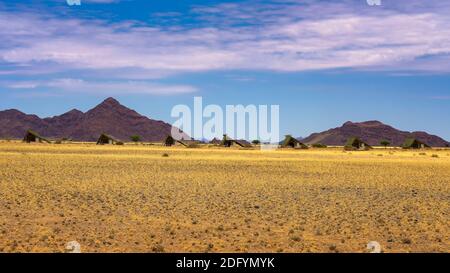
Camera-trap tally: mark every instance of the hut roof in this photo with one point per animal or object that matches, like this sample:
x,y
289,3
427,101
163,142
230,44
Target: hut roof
x,y
291,140
227,138
215,141
240,142
188,143
109,137
352,140
35,134
243,143
409,142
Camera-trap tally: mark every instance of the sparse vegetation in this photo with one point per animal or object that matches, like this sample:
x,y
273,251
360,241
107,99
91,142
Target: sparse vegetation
x,y
319,145
385,143
135,138
132,199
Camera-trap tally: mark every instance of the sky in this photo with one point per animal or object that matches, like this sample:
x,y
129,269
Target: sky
x,y
323,62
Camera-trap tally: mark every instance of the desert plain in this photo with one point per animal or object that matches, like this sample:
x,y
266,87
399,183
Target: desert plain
x,y
150,198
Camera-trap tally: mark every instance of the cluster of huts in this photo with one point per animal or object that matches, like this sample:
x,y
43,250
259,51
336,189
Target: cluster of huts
x,y
226,142
353,143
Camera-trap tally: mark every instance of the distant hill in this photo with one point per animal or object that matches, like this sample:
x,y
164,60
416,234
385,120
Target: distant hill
x,y
109,117
371,132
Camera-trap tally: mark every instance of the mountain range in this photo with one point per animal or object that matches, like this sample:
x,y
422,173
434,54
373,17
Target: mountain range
x,y
112,118
371,132
108,117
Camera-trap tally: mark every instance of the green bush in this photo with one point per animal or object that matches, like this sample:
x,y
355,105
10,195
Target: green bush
x,y
385,143
135,138
319,145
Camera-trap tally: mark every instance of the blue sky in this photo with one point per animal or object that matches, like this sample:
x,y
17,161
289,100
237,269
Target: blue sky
x,y
323,62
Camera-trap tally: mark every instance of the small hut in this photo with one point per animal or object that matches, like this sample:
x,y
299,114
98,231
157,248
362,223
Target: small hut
x,y
32,136
228,142
107,139
357,144
188,143
291,142
413,143
169,141
243,143
215,141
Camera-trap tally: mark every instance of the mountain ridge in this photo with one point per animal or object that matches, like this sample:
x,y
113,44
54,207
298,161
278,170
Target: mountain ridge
x,y
109,117
372,132
113,118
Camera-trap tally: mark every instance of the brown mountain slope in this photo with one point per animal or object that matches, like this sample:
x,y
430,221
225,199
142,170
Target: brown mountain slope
x,y
109,117
371,132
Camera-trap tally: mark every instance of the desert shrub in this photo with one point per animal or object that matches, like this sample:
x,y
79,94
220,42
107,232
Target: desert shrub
x,y
158,248
256,142
119,143
193,146
435,156
319,145
135,138
385,143
406,241
165,155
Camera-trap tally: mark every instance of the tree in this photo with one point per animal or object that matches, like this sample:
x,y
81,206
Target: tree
x,y
385,143
135,138
256,142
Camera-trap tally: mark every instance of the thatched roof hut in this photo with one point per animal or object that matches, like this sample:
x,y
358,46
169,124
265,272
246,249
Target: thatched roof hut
x,y
188,143
107,139
413,143
291,142
32,136
215,141
243,143
169,141
228,142
355,143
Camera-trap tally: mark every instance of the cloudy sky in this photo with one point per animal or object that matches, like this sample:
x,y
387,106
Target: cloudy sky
x,y
323,62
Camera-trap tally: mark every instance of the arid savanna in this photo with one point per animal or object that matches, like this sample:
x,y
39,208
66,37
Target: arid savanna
x,y
150,198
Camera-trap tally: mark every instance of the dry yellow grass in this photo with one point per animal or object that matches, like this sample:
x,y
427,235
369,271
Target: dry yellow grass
x,y
133,199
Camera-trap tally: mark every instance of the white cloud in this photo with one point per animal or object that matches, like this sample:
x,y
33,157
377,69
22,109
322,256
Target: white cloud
x,y
23,85
64,85
285,38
